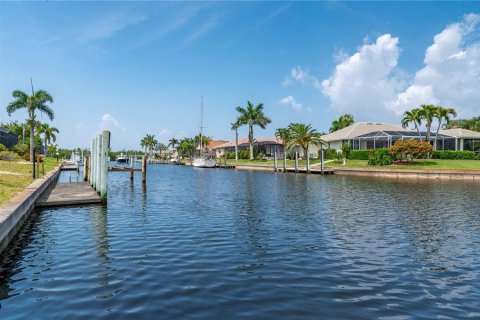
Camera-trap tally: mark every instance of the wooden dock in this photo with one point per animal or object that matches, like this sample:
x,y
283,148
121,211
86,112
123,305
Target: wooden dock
x,y
127,169
68,166
312,171
67,194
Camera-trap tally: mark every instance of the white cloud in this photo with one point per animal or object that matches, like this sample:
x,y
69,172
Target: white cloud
x,y
108,123
363,82
109,25
290,100
298,74
451,72
165,132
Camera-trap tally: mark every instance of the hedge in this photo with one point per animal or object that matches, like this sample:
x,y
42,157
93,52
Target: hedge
x,y
455,155
358,154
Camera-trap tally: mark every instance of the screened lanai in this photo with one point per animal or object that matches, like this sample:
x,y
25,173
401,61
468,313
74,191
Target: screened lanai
x,y
386,139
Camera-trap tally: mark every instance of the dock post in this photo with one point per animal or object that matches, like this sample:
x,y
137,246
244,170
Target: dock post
x,y
92,152
275,161
104,164
296,162
85,168
321,166
284,161
38,166
144,169
308,162
98,178
225,160
43,168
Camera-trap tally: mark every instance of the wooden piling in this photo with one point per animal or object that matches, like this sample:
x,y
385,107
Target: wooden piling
x,y
275,161
144,169
308,162
38,165
98,178
104,164
284,161
296,162
90,173
86,164
321,166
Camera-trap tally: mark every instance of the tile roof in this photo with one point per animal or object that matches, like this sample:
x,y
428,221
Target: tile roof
x,y
461,133
361,128
244,141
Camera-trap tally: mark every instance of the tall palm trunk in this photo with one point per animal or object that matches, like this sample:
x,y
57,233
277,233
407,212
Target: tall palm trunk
x,y
427,138
416,127
32,140
305,152
436,135
236,144
250,140
45,148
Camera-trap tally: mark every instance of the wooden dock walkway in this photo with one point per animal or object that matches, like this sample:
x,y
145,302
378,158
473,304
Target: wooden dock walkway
x,y
66,194
312,171
68,166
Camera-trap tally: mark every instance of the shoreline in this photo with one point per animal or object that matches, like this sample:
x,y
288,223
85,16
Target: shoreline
x,y
470,175
14,212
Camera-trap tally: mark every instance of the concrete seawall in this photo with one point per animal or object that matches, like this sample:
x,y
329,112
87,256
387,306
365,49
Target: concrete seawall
x,y
466,175
14,212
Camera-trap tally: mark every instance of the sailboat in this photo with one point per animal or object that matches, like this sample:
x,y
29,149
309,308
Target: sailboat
x,y
203,160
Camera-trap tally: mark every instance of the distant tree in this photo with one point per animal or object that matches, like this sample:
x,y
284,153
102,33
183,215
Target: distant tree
x,y
303,135
413,116
443,114
173,142
469,124
342,122
252,116
48,134
235,126
34,103
286,136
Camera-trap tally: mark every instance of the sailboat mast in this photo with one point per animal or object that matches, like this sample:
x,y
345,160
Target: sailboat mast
x,y
201,127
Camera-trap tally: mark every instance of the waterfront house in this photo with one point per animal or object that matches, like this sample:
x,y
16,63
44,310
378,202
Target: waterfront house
x,y
374,135
267,146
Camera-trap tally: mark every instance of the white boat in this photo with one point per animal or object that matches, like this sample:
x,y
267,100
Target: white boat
x,y
203,163
121,158
203,160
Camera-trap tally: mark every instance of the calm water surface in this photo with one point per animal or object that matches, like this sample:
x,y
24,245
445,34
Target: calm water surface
x,y
215,244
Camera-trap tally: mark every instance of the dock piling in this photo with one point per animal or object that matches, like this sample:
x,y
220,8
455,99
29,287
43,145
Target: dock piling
x,y
321,166
86,168
308,162
296,162
284,161
144,169
105,147
275,161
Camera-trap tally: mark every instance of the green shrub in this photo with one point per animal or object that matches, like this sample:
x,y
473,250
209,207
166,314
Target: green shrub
x,y
328,154
359,154
455,155
346,148
22,149
379,157
244,154
260,156
3,148
8,155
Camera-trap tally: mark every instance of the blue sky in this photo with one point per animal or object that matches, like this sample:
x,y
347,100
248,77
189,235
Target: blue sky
x,y
138,68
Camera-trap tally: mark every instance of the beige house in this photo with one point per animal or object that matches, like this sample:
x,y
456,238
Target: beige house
x,y
374,135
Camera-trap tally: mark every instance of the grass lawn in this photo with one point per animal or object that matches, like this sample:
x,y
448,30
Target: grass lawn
x,y
290,163
433,164
16,175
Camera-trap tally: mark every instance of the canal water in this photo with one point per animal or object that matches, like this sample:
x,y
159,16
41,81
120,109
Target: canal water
x,y
228,244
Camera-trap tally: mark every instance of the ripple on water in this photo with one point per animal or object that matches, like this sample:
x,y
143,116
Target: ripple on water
x,y
239,244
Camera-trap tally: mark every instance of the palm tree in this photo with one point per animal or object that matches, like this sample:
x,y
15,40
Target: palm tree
x,y
186,147
143,144
36,102
48,134
413,116
286,136
342,122
428,112
302,135
150,142
443,114
172,142
252,116
235,126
